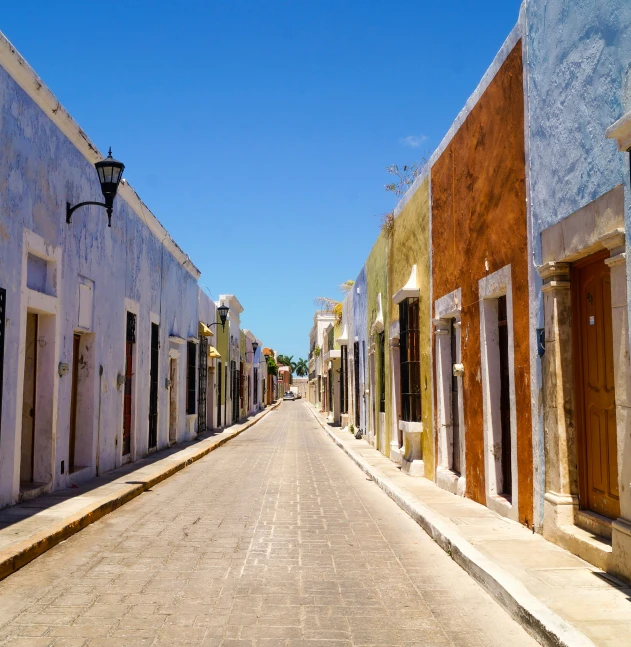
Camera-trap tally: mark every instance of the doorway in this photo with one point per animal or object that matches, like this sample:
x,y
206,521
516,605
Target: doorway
x,y
219,380
153,387
172,400
76,342
27,457
595,387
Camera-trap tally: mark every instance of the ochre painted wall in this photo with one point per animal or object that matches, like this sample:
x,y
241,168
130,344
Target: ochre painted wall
x,y
408,245
376,282
479,226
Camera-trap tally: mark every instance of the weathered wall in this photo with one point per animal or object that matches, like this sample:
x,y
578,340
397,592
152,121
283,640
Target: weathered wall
x,y
479,226
376,283
41,169
408,245
578,82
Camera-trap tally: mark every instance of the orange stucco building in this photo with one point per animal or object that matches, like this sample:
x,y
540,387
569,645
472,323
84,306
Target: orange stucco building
x,y
480,295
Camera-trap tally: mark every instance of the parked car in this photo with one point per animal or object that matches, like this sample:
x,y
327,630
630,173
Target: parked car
x,y
289,396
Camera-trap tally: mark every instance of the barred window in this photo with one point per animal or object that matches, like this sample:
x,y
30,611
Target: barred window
x,y
410,360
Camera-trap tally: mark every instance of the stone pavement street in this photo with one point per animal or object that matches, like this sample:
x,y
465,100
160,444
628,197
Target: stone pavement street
x,y
276,538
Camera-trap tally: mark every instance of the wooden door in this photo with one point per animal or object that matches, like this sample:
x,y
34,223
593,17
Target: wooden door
x,y
172,400
153,386
73,402
28,401
598,466
128,405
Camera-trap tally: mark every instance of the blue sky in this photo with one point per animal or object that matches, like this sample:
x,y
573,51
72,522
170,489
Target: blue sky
x,y
259,132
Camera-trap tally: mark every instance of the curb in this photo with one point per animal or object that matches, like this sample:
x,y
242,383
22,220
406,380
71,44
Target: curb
x,y
15,557
543,624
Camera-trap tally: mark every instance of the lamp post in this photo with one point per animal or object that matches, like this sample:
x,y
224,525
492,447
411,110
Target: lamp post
x,y
110,172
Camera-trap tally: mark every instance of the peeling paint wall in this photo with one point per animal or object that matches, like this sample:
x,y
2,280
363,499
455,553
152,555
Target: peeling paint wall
x,y
40,169
409,245
478,227
578,83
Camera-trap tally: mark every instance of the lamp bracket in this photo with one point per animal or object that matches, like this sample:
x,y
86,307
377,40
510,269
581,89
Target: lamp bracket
x,y
70,210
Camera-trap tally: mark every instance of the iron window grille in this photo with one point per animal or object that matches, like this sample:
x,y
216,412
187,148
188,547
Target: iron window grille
x,y
381,340
191,372
410,360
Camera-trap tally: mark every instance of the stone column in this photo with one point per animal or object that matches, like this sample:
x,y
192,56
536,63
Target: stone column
x,y
561,497
621,528
395,372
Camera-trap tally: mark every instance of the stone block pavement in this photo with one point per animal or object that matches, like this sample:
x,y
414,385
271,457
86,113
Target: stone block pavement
x,y
275,538
563,599
30,529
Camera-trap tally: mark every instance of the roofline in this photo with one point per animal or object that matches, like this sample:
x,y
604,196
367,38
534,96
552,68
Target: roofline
x,y
25,76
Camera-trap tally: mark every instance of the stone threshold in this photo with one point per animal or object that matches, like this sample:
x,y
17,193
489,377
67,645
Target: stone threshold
x,y
29,529
557,597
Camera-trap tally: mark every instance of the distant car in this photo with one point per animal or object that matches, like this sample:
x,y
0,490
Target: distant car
x,y
289,396
298,396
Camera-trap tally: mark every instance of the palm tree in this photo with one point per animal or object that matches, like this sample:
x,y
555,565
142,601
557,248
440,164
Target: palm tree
x,y
302,368
287,360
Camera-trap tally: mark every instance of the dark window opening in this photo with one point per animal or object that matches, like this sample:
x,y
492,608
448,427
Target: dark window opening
x,y
255,395
202,395
410,360
502,324
381,340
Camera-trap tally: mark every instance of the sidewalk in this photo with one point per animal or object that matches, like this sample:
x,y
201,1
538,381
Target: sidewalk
x,y
30,529
556,596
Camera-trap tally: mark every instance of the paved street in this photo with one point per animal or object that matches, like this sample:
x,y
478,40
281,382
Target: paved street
x,y
276,538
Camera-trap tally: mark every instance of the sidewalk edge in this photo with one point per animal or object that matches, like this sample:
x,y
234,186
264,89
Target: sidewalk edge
x,y
543,624
15,557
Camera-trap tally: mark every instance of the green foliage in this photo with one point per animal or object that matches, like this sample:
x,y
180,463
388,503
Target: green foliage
x,y
272,366
316,351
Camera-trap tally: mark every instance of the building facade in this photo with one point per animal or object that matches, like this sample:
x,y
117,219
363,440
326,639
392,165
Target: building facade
x,y
104,331
488,347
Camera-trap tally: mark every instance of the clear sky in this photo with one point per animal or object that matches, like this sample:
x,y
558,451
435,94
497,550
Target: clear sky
x,y
258,132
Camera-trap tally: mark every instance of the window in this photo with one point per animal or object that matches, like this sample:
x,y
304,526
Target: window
x,y
498,390
344,381
255,395
410,360
191,374
381,340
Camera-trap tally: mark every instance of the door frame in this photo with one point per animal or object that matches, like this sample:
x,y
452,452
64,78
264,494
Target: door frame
x,y
582,449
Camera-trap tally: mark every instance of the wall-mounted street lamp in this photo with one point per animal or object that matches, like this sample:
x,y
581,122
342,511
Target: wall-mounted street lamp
x,y
110,172
255,345
223,315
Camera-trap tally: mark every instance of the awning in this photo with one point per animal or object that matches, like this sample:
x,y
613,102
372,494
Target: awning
x,y
213,352
204,330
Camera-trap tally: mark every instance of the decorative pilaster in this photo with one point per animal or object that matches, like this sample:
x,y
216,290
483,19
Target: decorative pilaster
x,y
561,500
